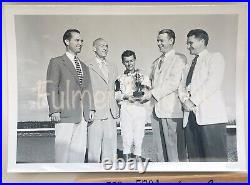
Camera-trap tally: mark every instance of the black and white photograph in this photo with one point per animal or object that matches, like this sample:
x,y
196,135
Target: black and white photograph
x,y
126,88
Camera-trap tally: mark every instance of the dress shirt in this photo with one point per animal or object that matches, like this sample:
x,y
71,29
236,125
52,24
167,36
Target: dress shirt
x,y
71,58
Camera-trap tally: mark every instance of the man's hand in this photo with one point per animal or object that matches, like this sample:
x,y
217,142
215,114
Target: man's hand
x,y
55,117
188,105
91,115
131,99
125,97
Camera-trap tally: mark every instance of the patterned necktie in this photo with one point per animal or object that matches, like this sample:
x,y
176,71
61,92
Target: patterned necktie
x,y
104,69
191,70
78,70
160,62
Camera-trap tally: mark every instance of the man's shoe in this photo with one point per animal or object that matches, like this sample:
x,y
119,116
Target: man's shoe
x,y
138,158
126,157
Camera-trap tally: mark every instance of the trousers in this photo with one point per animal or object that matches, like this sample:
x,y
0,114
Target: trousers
x,y
102,140
70,142
205,143
133,120
169,139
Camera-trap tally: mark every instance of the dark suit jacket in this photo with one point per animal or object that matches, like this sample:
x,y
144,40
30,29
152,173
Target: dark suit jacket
x,y
64,92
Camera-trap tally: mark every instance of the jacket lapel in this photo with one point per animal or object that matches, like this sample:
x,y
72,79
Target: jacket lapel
x,y
83,73
197,70
94,66
70,67
187,71
164,70
156,72
168,63
110,69
200,68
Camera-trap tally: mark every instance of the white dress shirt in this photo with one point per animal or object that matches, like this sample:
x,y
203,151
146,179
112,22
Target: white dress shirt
x,y
71,58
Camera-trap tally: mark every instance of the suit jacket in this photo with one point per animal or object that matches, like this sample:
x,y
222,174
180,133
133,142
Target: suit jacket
x,y
165,83
205,89
64,92
103,91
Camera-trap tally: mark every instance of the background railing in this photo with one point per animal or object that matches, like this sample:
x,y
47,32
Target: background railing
x,y
47,128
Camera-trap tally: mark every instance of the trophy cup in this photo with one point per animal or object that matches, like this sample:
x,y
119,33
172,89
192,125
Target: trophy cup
x,y
138,93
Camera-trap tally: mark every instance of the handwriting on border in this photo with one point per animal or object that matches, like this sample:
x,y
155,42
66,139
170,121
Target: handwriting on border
x,y
154,181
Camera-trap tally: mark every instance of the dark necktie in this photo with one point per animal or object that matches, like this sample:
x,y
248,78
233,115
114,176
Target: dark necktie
x,y
78,70
191,70
160,63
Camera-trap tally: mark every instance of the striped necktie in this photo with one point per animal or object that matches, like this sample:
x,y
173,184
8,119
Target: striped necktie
x,y
160,62
78,70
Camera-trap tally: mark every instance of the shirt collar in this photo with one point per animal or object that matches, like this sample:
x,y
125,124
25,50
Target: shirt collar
x,y
99,61
203,53
171,52
70,56
129,73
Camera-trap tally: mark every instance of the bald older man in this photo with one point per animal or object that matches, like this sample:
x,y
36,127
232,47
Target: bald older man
x,y
102,132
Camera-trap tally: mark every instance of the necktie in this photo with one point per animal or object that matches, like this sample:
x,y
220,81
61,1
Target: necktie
x,y
191,70
104,69
78,70
160,63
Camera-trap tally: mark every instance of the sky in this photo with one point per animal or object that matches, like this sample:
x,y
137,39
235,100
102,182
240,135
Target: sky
x,y
39,38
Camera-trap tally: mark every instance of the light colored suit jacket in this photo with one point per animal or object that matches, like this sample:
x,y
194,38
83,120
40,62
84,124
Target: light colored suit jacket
x,y
165,82
103,91
64,92
205,89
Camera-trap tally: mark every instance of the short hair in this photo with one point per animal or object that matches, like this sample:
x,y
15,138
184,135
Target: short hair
x,y
97,40
128,53
67,35
170,33
200,34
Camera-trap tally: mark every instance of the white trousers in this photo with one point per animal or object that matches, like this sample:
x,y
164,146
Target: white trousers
x,y
70,142
102,140
133,120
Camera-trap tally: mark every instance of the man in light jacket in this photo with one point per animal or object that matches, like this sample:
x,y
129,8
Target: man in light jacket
x,y
203,103
167,114
102,133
